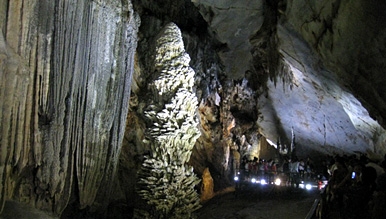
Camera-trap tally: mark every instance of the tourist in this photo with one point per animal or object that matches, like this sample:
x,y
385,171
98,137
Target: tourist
x,y
294,172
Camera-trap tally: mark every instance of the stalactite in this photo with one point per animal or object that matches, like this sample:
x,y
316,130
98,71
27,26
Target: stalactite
x,y
69,66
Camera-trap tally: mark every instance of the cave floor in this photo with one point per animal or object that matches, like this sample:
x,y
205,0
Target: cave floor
x,y
249,203
17,210
260,203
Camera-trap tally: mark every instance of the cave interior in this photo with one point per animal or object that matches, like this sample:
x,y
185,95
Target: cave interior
x,y
140,107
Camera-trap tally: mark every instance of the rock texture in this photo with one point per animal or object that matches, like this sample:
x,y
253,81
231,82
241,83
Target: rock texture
x,y
310,60
345,37
65,83
165,180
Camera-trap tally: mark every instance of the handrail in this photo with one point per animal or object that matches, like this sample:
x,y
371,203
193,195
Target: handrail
x,y
311,213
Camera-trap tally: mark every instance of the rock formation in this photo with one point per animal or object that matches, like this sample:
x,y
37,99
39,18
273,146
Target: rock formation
x,y
65,83
165,180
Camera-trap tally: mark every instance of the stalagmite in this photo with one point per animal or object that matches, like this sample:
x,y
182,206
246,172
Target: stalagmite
x,y
165,180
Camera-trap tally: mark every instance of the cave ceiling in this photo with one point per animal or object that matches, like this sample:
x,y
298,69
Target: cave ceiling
x,y
319,66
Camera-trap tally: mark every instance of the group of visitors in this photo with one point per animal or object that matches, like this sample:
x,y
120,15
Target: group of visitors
x,y
296,170
292,170
259,167
356,188
356,185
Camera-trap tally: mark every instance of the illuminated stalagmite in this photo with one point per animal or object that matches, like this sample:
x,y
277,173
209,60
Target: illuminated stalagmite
x,y
165,180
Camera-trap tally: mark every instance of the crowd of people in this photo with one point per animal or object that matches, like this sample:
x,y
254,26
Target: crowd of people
x,y
356,185
356,188
291,170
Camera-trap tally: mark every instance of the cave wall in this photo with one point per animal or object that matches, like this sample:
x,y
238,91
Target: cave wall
x,y
333,100
315,66
65,74
349,36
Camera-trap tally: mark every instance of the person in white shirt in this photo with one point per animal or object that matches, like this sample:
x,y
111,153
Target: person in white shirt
x,y
294,171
